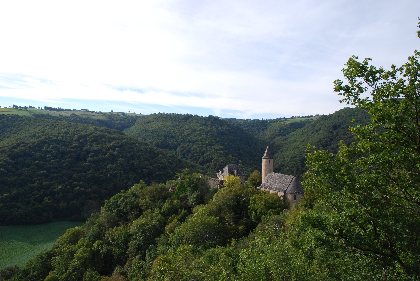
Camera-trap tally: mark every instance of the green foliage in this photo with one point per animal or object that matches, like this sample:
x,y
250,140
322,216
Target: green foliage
x,y
144,231
364,200
208,142
167,235
60,170
62,164
36,268
186,263
118,121
289,138
254,179
269,255
265,204
324,133
191,189
212,142
232,181
200,231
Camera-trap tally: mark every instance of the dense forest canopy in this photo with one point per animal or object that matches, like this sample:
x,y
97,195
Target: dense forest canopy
x,y
213,142
158,231
54,169
210,142
62,164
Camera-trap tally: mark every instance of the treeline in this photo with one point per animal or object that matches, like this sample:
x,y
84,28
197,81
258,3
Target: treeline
x,y
210,142
324,133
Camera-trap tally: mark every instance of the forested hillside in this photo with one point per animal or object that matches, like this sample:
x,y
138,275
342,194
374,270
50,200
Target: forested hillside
x,y
54,169
62,165
325,132
210,142
180,230
213,142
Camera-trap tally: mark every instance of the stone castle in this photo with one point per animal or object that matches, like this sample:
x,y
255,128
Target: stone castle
x,y
285,186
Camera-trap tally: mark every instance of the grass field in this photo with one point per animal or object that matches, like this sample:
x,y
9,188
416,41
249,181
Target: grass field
x,y
300,119
13,111
20,243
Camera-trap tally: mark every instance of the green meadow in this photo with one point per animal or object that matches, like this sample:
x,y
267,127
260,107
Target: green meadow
x,y
13,111
20,243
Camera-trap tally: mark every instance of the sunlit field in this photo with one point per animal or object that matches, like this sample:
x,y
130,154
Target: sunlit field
x,y
20,243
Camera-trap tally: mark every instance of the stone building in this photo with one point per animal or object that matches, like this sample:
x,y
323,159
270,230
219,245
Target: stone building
x,y
230,169
286,186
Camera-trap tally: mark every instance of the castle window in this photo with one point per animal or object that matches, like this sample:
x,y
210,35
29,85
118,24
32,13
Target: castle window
x,y
294,197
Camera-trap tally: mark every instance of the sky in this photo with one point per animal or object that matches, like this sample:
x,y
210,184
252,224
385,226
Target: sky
x,y
228,58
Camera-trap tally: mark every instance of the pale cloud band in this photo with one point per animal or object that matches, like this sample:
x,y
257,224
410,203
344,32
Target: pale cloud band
x,y
247,105
252,58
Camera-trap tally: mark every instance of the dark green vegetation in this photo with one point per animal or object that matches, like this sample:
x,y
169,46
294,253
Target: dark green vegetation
x,y
54,169
176,231
209,142
19,244
212,142
323,133
58,164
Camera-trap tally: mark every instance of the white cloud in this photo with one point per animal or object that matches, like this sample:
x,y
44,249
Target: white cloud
x,y
253,57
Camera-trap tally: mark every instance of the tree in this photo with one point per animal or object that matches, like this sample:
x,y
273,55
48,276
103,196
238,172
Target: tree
x,y
232,182
366,199
265,204
254,179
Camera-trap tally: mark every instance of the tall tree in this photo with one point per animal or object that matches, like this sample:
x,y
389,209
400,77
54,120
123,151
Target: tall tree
x,y
366,199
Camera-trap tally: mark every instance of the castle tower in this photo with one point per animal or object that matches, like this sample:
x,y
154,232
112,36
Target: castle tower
x,y
267,164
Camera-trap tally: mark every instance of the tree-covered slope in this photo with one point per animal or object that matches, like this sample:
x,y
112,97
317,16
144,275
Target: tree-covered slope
x,y
210,142
155,232
63,166
324,132
53,169
268,129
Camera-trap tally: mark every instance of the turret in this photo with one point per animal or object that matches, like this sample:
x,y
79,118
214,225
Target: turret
x,y
267,164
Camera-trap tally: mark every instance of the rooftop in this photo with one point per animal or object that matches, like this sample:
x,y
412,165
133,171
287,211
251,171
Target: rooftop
x,y
282,183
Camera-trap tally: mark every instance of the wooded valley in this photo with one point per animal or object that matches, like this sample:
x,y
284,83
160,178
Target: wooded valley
x,y
63,167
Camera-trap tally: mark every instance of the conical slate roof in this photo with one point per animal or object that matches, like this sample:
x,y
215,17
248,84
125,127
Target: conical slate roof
x,y
267,154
